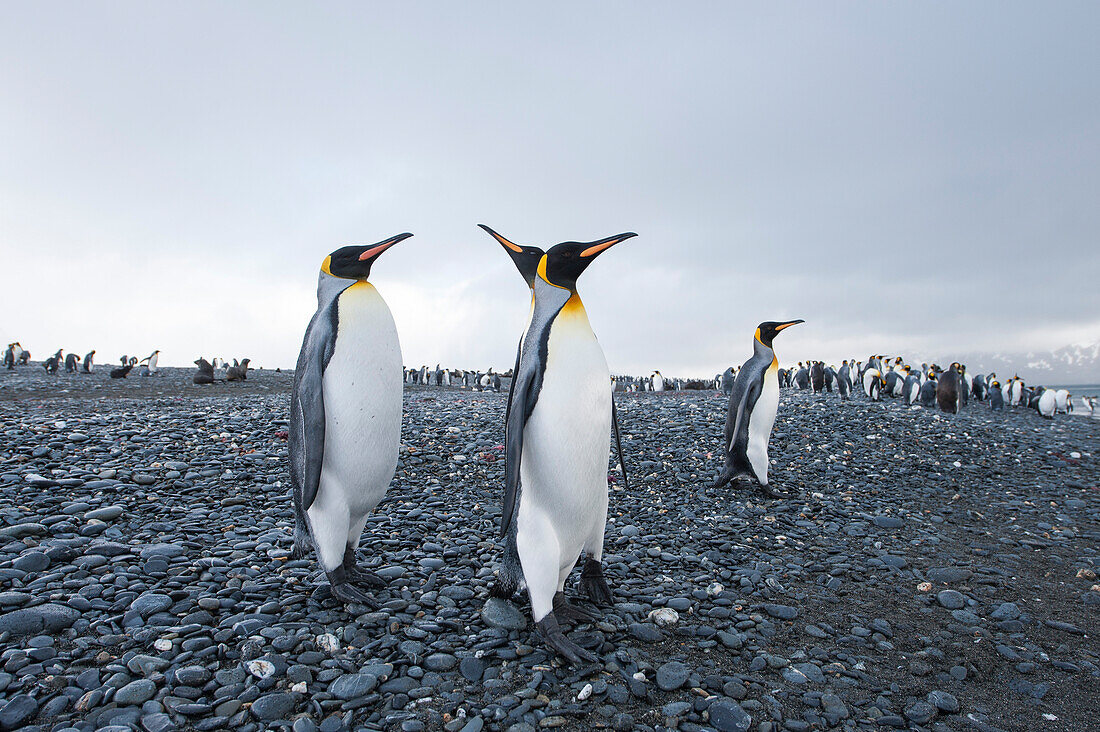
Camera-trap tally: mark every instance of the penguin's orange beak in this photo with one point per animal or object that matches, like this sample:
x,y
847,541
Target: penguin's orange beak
x,y
598,246
788,324
382,246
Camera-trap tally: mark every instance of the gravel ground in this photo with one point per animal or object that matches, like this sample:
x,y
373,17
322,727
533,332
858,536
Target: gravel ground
x,y
928,572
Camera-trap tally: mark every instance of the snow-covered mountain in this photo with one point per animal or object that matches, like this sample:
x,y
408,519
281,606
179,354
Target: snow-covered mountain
x,y
1073,364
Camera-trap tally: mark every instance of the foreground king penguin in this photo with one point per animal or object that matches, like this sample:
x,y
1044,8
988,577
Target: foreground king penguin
x,y
753,405
345,416
557,439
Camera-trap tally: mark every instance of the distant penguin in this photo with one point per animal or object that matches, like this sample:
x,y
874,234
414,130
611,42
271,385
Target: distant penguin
x,y
345,416
752,409
658,381
830,379
1063,402
1047,403
22,356
205,373
150,362
872,384
928,392
88,361
802,378
996,397
964,386
911,389
72,362
52,363
727,381
559,422
1090,403
1018,387
844,381
817,377
979,388
9,357
894,384
948,390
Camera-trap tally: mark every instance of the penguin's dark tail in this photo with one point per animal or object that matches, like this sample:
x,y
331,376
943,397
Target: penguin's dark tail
x,y
303,542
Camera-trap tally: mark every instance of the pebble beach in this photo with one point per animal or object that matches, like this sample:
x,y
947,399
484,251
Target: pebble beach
x,y
927,572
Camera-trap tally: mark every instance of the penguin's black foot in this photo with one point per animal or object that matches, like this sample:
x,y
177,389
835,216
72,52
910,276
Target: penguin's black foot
x,y
555,640
350,594
593,585
346,592
357,574
568,612
771,492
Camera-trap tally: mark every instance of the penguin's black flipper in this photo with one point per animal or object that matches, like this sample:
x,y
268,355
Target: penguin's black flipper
x,y
307,407
618,441
523,397
740,423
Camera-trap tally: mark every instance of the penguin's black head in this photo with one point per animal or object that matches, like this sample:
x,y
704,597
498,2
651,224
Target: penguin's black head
x,y
354,262
767,331
563,263
526,259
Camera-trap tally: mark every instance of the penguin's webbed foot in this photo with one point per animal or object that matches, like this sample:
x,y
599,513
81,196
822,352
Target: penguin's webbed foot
x,y
771,492
346,592
571,613
593,584
553,637
361,576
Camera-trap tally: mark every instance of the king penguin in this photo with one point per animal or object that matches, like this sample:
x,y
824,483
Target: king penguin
x,y
559,422
752,408
345,416
844,381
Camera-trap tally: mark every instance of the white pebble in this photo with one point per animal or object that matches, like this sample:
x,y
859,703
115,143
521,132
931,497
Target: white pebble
x,y
1075,455
261,669
639,676
328,643
715,588
299,688
664,617
59,424
585,692
162,644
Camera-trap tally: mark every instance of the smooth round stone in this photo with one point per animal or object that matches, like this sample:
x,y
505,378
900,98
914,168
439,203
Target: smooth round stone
x,y
48,618
136,692
150,603
672,675
269,707
472,668
107,513
353,686
920,712
19,709
498,613
943,701
440,662
951,599
728,716
31,562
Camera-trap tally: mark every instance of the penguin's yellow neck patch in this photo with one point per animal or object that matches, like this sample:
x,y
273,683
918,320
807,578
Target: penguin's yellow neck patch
x,y
574,306
362,286
542,273
326,266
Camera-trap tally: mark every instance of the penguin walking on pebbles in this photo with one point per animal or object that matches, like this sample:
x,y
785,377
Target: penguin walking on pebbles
x,y
752,409
345,417
559,423
844,381
88,361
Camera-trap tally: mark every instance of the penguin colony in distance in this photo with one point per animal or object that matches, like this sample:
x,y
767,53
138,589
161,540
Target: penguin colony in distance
x,y
345,417
752,409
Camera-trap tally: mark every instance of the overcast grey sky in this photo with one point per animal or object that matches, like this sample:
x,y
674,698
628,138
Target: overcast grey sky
x,y
913,178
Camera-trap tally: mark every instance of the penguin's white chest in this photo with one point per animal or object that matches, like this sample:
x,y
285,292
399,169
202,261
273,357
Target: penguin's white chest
x,y
566,443
362,392
761,421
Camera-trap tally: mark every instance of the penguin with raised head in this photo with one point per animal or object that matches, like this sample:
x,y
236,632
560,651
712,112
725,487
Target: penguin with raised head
x,y
150,362
559,423
752,409
844,380
727,381
1018,389
345,416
